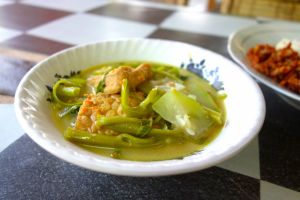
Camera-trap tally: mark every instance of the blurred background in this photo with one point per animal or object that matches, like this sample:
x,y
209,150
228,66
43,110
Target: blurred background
x,y
32,30
279,9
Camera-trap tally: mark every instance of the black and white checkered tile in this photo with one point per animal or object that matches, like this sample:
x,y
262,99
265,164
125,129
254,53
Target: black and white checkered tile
x,y
268,168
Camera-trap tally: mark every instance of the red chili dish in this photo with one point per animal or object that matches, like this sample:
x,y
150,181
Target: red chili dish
x,y
281,65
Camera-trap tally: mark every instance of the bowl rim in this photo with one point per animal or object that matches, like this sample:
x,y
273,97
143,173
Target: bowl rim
x,y
262,78
147,172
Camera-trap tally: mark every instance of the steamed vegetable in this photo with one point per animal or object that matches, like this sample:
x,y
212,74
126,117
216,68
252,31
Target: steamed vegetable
x,y
66,88
135,126
183,111
137,111
122,140
202,93
145,106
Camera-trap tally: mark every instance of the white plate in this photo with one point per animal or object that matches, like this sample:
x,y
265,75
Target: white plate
x,y
241,41
245,103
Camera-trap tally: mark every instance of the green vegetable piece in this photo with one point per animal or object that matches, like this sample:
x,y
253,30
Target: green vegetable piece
x,y
145,87
101,84
166,132
135,126
183,111
141,131
68,91
131,128
77,81
202,93
145,106
122,140
151,98
56,89
128,110
103,121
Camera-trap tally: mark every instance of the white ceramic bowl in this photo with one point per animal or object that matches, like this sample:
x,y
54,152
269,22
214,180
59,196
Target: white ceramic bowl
x,y
241,41
245,103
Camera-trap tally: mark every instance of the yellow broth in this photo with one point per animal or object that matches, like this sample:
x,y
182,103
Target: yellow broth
x,y
168,147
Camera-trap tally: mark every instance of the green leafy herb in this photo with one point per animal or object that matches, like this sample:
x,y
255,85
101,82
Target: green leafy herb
x,y
101,84
72,73
49,88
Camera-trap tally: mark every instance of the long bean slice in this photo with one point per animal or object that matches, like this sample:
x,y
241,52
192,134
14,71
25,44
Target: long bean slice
x,y
166,132
68,91
77,81
131,128
134,126
102,121
66,82
137,130
145,106
122,140
151,98
128,110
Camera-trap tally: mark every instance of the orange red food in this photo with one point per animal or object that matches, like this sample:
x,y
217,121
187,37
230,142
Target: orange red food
x,y
282,65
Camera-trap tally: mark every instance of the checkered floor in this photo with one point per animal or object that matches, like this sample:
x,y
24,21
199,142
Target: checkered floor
x,y
268,168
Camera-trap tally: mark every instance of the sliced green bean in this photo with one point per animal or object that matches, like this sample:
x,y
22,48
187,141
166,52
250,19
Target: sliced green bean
x,y
102,121
134,126
122,140
131,128
138,130
128,110
77,81
165,132
144,108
